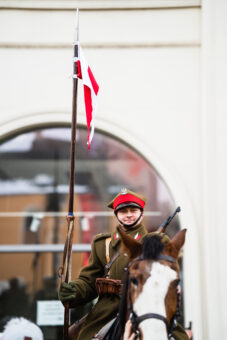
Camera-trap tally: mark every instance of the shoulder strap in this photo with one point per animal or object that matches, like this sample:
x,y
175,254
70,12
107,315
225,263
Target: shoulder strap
x,y
107,242
99,237
109,264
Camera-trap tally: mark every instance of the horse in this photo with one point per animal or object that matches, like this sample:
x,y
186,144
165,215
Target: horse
x,y
150,297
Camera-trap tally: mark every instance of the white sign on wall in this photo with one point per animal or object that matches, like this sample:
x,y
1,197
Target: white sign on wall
x,y
50,313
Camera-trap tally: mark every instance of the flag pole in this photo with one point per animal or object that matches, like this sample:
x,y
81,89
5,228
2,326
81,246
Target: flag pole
x,y
67,257
74,116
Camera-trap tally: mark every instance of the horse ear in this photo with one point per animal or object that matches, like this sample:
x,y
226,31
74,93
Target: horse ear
x,y
178,240
129,245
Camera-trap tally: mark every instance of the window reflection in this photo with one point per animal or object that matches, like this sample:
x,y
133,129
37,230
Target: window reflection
x,y
35,167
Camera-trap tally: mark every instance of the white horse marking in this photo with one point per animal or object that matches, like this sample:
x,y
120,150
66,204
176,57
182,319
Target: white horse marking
x,y
152,300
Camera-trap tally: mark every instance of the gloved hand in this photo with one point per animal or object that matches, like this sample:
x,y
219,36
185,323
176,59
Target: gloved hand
x,y
67,291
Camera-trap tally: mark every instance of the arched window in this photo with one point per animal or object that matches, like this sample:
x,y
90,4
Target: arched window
x,y
34,186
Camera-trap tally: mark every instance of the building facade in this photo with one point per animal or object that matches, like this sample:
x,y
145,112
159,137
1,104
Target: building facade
x,y
161,67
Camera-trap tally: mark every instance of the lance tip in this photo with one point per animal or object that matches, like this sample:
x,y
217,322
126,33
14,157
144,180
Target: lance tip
x,y
76,31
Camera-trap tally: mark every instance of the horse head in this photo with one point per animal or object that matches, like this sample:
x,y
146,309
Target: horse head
x,y
151,288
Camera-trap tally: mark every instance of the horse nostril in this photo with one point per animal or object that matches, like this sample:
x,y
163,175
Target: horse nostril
x,y
134,281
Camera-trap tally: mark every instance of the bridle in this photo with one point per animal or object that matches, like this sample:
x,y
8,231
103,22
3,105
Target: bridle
x,y
135,319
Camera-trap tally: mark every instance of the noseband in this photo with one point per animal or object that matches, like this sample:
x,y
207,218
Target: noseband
x,y
136,320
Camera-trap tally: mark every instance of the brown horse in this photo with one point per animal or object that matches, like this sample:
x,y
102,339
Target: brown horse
x,y
150,298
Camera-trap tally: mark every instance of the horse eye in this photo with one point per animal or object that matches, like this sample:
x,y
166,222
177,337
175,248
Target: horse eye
x,y
134,281
176,283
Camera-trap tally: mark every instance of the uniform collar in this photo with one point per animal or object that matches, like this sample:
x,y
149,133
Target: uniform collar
x,y
137,232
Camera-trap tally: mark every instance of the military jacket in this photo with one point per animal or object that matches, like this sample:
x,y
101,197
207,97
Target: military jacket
x,y
106,307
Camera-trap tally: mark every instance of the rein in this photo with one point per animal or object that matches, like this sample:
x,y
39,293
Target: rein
x,y
135,319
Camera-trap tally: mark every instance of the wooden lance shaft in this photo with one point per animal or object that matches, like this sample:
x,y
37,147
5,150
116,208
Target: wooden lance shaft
x,y
70,216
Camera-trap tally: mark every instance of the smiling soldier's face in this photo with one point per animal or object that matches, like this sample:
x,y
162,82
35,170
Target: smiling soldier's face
x,y
129,215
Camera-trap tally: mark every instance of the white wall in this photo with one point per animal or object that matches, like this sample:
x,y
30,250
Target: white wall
x,y
214,182
162,90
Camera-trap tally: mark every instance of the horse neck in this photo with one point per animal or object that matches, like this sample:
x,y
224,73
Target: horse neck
x,y
152,300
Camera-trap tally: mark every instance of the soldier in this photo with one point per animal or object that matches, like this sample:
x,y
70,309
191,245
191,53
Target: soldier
x,y
105,272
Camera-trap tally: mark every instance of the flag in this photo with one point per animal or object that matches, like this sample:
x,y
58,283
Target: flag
x,y
91,89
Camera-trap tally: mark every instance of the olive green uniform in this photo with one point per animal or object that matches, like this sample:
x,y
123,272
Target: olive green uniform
x,y
107,306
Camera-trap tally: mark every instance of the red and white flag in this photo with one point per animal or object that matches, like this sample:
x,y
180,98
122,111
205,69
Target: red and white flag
x,y
91,89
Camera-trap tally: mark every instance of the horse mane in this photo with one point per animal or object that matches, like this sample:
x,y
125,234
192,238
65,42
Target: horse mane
x,y
152,246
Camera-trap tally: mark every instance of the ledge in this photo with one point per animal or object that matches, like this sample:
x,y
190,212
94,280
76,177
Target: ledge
x,y
103,45
96,4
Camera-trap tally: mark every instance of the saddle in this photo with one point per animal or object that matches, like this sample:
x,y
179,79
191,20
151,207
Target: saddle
x,y
109,331
75,328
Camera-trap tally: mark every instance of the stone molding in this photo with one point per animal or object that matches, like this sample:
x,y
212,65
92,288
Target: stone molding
x,y
96,4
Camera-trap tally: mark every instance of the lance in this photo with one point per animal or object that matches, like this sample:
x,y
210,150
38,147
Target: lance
x,y
165,224
65,270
